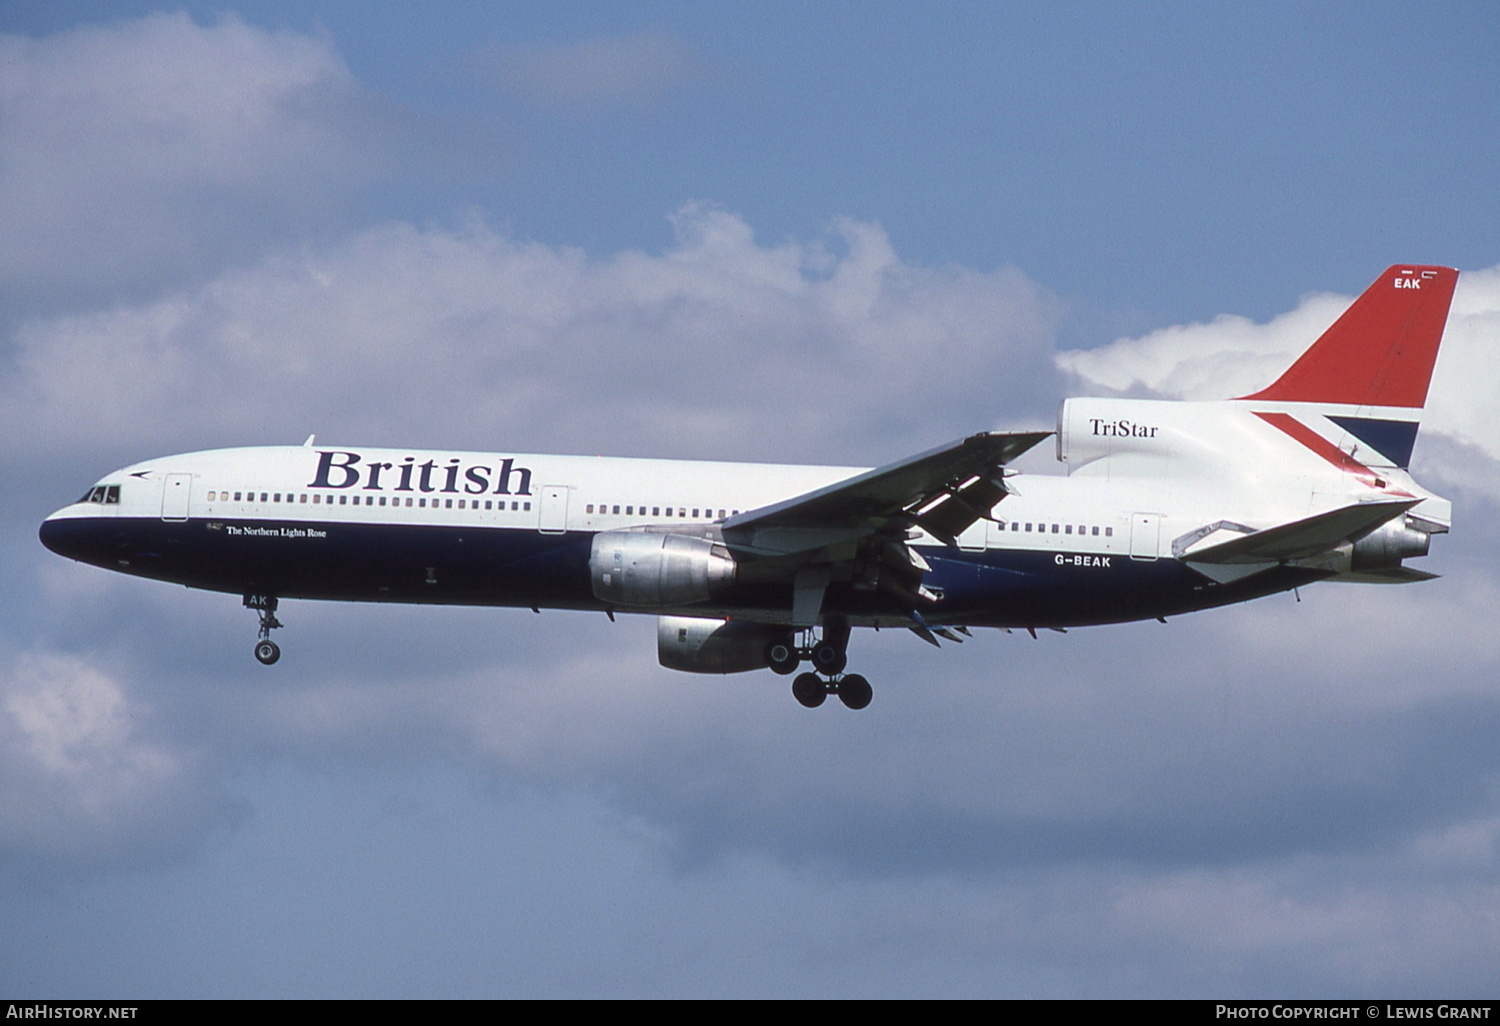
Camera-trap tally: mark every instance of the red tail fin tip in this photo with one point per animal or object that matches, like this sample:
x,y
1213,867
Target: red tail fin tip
x,y
1381,351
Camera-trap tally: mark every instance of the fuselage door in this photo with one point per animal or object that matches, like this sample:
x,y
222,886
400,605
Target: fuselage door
x,y
176,490
553,518
1145,535
973,539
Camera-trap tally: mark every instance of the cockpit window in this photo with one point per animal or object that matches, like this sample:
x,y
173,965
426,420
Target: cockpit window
x,y
103,494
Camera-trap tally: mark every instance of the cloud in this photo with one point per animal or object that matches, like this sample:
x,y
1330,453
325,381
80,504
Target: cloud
x,y
812,352
638,70
155,147
1266,798
81,775
823,351
403,335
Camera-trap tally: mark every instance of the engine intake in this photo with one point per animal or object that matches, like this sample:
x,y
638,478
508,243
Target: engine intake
x,y
655,571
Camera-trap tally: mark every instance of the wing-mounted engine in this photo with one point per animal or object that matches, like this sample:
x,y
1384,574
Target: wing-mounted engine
x,y
699,645
648,570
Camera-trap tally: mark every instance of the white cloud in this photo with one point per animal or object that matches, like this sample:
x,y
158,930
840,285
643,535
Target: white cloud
x,y
719,346
1226,357
152,146
79,773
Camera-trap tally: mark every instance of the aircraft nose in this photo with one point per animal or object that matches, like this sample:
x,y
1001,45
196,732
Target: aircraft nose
x,y
68,536
54,535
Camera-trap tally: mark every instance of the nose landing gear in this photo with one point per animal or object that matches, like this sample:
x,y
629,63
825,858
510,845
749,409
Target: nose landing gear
x,y
266,650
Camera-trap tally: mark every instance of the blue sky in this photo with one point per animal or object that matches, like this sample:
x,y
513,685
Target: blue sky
x,y
811,233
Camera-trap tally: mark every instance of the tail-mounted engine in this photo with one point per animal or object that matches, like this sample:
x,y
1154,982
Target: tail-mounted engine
x,y
657,571
1385,547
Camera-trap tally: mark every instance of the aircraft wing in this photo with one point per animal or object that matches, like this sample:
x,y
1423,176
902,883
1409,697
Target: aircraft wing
x,y
856,531
943,490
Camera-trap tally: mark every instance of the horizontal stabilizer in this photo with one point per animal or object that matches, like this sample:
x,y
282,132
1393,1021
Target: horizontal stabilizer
x,y
1391,575
1300,539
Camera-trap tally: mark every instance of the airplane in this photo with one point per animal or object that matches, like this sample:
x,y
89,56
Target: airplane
x,y
1166,507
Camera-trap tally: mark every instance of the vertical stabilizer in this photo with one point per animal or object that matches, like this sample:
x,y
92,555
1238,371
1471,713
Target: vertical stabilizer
x,y
1356,395
1381,351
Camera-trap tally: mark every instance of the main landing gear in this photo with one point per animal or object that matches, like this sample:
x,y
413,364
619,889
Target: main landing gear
x,y
853,690
266,650
829,656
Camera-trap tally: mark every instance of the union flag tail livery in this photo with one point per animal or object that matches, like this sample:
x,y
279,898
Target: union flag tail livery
x,y
1166,508
1375,363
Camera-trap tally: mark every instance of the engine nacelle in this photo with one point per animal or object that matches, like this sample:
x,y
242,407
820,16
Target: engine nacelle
x,y
653,571
1385,547
696,645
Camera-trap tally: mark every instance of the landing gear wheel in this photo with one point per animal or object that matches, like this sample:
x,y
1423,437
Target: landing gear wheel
x,y
855,691
809,690
266,650
782,656
829,659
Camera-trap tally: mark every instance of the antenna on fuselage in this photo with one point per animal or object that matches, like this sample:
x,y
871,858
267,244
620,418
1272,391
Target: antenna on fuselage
x,y
309,443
